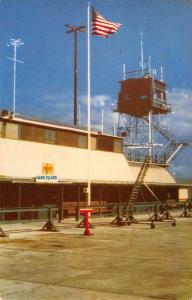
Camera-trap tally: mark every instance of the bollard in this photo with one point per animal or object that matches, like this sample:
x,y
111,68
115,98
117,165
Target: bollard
x,y
60,215
86,212
77,214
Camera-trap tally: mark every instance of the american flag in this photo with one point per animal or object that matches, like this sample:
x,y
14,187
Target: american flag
x,y
101,26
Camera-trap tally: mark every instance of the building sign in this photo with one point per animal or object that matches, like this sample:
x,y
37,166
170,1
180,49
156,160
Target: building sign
x,y
47,168
47,174
47,178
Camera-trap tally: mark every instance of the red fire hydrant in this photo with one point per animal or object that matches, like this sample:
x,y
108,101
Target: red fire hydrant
x,y
86,212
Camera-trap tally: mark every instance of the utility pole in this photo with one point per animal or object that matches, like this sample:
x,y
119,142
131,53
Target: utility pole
x,y
14,43
75,30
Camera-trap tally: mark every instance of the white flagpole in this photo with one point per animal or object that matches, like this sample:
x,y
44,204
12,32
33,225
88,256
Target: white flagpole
x,y
88,104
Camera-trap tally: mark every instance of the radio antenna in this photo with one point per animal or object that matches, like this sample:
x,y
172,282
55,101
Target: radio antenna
x,y
161,73
15,43
142,54
124,74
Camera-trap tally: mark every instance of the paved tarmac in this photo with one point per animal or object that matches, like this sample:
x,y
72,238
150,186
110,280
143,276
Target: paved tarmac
x,y
125,263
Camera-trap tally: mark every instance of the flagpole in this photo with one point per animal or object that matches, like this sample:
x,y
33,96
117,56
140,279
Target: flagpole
x,y
94,31
88,105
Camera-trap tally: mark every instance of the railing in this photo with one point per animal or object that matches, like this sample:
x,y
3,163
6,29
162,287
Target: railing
x,y
49,226
111,209
160,104
36,213
100,210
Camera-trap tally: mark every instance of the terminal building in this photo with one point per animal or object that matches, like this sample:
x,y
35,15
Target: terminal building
x,y
46,164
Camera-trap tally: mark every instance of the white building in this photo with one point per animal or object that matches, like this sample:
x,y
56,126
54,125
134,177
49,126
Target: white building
x,y
43,163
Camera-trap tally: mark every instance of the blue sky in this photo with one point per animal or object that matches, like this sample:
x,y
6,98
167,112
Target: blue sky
x,y
45,80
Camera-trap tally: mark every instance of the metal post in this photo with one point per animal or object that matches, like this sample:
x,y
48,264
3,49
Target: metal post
x,y
88,202
114,130
15,44
1,195
14,77
102,119
150,135
19,201
119,202
61,206
161,73
79,115
124,72
149,65
142,54
100,201
75,78
78,204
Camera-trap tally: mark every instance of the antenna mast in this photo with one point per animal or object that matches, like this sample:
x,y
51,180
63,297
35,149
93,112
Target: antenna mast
x,y
102,119
161,73
142,54
124,77
14,43
149,64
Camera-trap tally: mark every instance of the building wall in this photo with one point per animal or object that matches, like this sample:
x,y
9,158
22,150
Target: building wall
x,y
24,159
112,177
155,173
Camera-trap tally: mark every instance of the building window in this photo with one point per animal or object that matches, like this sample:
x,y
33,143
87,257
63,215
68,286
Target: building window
x,y
26,132
143,97
38,134
117,146
105,143
66,138
82,141
93,143
50,136
1,129
59,137
126,98
162,97
11,131
30,133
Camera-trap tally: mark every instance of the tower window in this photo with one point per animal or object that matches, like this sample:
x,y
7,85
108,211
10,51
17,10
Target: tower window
x,y
143,97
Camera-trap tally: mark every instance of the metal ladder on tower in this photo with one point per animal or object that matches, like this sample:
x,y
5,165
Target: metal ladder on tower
x,y
127,217
128,211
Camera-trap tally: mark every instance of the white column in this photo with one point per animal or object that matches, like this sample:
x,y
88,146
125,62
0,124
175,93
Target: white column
x,y
150,135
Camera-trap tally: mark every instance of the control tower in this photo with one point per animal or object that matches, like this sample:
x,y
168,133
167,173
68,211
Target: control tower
x,y
140,96
143,108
